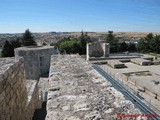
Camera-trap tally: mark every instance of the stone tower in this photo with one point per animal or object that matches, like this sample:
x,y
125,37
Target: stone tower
x,y
36,60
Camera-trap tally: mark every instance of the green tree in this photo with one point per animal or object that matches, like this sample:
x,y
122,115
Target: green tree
x,y
156,44
149,40
70,45
28,39
84,39
113,41
7,50
146,44
142,45
73,45
131,47
16,43
123,47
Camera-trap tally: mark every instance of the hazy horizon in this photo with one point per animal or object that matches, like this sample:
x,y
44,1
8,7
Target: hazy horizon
x,y
78,32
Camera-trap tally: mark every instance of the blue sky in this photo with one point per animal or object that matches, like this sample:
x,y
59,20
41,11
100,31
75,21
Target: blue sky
x,y
75,15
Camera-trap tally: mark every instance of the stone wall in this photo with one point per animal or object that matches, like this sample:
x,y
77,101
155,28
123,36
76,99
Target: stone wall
x,y
141,61
15,98
43,88
36,60
33,101
135,85
97,50
78,92
115,64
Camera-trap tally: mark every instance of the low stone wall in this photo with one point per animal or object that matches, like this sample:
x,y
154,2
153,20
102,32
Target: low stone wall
x,y
14,104
141,61
131,83
148,58
116,64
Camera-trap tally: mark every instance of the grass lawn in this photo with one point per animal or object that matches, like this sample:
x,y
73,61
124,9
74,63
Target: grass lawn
x,y
153,54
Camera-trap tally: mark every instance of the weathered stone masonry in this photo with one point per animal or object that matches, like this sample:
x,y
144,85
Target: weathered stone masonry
x,y
36,60
19,91
97,50
17,100
77,92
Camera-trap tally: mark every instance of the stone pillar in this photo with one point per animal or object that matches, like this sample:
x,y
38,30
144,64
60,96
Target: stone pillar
x,y
106,49
88,51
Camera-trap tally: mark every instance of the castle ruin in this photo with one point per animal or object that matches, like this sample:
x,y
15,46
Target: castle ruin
x,y
36,60
19,91
74,90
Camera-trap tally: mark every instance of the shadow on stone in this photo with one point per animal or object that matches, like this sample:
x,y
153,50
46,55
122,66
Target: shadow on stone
x,y
40,114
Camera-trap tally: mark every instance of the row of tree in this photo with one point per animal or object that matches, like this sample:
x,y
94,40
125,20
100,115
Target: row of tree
x,y
149,44
116,46
73,45
26,40
78,45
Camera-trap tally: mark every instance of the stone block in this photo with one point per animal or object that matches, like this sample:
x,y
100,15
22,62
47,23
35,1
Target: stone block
x,y
141,61
116,64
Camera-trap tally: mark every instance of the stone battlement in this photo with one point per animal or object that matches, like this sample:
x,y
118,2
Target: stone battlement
x,y
16,101
37,60
19,91
6,64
